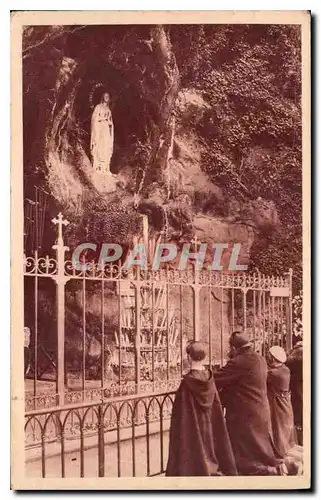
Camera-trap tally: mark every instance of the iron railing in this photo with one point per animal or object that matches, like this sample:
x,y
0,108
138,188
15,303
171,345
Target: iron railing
x,y
124,436
153,314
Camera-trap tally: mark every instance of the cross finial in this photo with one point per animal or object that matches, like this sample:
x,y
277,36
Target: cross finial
x,y
195,242
61,222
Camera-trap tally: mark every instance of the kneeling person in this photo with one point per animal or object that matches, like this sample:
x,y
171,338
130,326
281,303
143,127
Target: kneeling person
x,y
199,443
278,390
242,382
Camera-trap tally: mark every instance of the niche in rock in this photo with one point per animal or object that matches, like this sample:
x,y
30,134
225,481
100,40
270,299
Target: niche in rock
x,y
129,110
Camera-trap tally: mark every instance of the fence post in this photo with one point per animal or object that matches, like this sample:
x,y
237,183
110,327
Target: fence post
x,y
61,280
244,290
101,442
196,294
137,328
196,303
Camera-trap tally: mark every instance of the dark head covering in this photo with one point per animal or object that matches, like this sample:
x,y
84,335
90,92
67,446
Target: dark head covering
x,y
196,350
238,340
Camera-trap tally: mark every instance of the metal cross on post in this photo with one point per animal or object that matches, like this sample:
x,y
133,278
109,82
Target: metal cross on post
x,y
61,280
61,222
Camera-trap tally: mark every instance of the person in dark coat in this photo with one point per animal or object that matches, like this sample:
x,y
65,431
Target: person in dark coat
x,y
199,443
278,389
242,386
295,364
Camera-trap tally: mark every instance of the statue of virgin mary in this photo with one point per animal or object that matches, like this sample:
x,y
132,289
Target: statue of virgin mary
x,y
102,135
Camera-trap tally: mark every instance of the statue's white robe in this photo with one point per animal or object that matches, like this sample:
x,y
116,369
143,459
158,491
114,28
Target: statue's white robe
x,y
102,138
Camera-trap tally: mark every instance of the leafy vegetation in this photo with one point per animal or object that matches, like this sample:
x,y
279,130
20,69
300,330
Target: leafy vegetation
x,y
297,315
251,77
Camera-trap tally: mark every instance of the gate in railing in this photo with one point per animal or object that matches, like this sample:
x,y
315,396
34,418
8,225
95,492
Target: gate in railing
x,y
110,332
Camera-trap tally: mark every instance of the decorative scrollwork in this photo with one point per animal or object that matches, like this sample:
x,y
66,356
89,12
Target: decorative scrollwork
x,y
113,271
44,266
49,427
93,270
29,265
70,269
146,387
73,397
93,394
43,400
47,265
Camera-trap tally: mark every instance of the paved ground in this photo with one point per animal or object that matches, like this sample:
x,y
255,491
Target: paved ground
x,y
72,460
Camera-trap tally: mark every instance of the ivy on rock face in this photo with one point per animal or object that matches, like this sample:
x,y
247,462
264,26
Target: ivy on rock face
x,y
251,78
105,221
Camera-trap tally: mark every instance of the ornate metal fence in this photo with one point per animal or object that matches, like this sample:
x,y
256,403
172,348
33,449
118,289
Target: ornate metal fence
x,y
125,436
110,332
